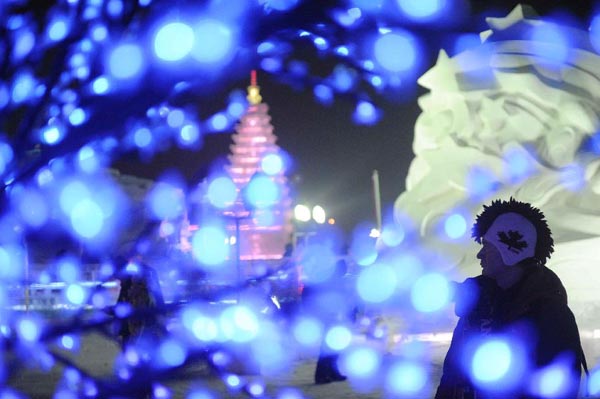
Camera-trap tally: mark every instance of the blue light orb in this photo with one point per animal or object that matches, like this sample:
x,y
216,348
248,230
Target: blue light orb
x,y
272,164
282,5
368,5
23,87
219,122
377,283
200,394
406,379
77,117
87,159
321,43
455,226
125,61
343,78
236,108
430,293
67,342
553,381
422,10
99,32
24,42
365,113
204,328
100,85
58,29
593,382
222,192
361,362
172,353
33,208
324,94
175,118
69,270
114,8
71,194
233,381
28,329
189,135
550,43
491,362
396,52
308,331
265,48
75,294
214,41
271,64
519,165
142,137
338,338
173,41
12,262
392,234
245,322
481,182
165,201
262,192
209,245
52,134
87,218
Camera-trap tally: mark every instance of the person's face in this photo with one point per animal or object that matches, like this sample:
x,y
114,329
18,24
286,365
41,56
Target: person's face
x,y
491,261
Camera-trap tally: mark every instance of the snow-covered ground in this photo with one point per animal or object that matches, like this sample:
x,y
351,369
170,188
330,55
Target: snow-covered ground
x,y
97,354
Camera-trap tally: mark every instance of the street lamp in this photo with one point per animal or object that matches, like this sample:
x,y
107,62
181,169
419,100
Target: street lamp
x,y
306,220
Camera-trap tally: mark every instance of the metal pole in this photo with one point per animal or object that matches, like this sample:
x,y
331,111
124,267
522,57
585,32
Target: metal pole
x,y
377,199
238,253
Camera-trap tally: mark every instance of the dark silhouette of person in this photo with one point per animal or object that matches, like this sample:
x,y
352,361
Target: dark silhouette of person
x,y
320,299
516,296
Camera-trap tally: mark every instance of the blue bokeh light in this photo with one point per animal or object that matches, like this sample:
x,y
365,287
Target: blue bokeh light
x,y
69,269
406,379
125,61
76,294
376,283
87,218
430,293
142,137
272,164
422,10
29,329
58,29
219,122
52,134
222,192
24,42
593,383
100,85
338,338
361,362
282,5
550,43
165,201
214,41
343,78
308,331
455,225
77,117
491,362
23,87
209,245
172,353
189,134
396,52
481,182
262,192
33,208
173,41
323,93
365,113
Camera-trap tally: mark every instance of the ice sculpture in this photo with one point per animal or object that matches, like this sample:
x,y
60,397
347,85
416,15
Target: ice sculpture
x,y
516,115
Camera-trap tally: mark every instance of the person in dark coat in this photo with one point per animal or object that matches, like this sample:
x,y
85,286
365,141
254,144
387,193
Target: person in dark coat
x,y
528,303
327,300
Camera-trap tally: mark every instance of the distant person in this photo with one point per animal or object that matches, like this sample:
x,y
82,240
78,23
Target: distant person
x,y
328,300
516,296
140,289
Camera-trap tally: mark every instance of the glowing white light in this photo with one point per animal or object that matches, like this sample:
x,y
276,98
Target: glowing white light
x,y
173,41
52,134
318,214
302,213
67,342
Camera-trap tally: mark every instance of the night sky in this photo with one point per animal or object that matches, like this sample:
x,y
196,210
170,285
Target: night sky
x,y
334,158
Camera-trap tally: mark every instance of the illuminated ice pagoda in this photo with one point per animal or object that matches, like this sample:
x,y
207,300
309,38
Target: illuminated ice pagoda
x,y
263,232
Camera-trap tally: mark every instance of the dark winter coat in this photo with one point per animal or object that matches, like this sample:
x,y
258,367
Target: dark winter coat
x,y
535,310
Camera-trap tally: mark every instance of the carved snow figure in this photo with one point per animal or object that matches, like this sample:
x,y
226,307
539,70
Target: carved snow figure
x,y
515,116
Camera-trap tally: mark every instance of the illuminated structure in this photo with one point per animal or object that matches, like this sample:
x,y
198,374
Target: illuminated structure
x,y
516,115
263,232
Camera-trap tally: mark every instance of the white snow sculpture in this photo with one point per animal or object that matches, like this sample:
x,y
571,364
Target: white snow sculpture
x,y
512,116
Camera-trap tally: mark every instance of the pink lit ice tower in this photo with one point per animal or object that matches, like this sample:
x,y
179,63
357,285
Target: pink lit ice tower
x,y
263,233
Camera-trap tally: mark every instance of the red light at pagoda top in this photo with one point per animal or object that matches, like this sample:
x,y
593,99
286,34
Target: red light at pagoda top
x,y
253,96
